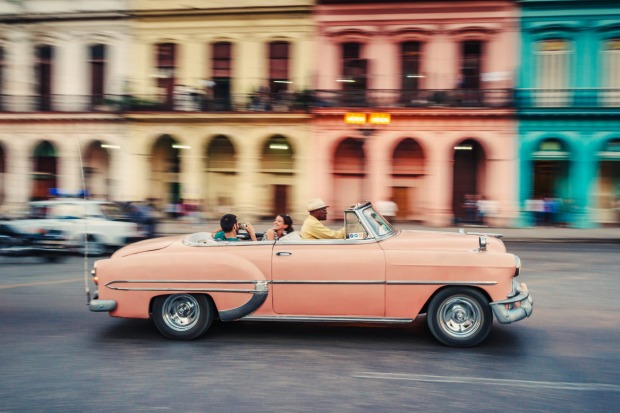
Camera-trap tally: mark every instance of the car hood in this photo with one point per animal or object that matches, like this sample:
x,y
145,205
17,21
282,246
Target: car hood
x,y
146,245
440,240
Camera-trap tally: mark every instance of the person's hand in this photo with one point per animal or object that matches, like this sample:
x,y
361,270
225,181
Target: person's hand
x,y
250,229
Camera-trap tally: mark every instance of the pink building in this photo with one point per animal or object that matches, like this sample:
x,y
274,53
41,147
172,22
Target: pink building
x,y
443,71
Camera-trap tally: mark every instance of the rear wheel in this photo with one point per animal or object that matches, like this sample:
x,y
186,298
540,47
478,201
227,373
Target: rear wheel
x,y
459,317
183,316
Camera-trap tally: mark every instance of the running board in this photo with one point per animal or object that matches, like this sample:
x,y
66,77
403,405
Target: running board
x,y
306,319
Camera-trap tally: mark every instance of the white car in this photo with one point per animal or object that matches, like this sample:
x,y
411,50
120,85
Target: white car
x,y
106,225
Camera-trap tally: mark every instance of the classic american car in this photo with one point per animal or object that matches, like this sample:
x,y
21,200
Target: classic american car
x,y
378,274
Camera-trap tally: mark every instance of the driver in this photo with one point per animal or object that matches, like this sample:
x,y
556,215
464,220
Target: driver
x,y
313,228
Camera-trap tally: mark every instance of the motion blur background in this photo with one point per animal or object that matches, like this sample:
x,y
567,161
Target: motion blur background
x,y
503,113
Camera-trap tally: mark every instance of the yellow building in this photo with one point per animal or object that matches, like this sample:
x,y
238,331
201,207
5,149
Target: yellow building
x,y
214,107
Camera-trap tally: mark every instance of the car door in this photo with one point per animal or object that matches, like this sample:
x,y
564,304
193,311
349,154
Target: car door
x,y
329,278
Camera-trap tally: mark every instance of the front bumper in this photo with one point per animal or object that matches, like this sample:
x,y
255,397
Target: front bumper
x,y
517,307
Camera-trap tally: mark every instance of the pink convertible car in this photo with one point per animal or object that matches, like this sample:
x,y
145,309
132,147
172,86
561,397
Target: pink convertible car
x,y
377,274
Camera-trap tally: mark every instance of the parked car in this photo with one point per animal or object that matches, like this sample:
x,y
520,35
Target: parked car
x,y
376,274
50,245
90,225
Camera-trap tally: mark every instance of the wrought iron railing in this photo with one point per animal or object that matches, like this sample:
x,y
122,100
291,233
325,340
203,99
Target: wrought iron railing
x,y
261,102
596,98
316,99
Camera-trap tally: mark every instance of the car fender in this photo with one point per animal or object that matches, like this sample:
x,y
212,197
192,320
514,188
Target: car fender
x,y
237,285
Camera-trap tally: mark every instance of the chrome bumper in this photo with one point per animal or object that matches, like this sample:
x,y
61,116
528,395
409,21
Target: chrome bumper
x,y
101,305
517,307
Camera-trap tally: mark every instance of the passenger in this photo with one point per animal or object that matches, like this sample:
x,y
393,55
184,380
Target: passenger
x,y
229,227
313,228
282,225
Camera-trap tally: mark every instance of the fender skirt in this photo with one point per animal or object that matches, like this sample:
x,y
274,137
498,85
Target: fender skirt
x,y
258,298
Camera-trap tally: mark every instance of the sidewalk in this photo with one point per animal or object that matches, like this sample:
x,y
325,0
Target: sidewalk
x,y
533,234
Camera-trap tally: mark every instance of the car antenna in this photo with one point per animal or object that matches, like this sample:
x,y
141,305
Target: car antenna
x,y
86,284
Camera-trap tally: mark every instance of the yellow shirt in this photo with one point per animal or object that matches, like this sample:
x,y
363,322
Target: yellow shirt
x,y
314,229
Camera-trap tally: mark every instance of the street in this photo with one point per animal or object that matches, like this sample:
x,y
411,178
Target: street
x,y
56,356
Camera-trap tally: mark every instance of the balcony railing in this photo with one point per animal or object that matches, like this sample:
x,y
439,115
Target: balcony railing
x,y
280,102
593,98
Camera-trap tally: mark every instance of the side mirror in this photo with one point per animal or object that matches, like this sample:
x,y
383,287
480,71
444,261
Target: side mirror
x,y
482,242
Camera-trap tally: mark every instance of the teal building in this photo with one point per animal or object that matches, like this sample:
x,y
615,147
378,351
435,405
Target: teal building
x,y
568,110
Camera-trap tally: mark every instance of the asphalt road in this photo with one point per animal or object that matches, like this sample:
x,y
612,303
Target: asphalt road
x,y
56,356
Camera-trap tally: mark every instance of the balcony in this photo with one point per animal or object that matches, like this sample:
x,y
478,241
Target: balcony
x,y
265,102
576,98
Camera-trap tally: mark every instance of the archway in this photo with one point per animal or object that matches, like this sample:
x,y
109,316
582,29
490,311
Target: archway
x,y
165,183
278,168
607,199
469,175
348,166
97,171
550,181
45,167
220,175
408,170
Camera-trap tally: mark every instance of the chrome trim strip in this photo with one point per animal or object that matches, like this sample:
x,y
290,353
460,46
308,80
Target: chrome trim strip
x,y
378,282
442,283
259,286
276,282
330,282
335,319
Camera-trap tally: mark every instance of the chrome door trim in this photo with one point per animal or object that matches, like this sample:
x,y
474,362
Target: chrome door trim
x,y
333,319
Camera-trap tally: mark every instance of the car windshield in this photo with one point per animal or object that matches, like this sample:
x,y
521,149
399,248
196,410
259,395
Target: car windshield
x,y
379,224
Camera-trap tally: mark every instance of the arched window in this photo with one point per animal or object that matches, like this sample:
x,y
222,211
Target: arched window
x,y
43,68
552,72
97,63
166,66
410,61
278,66
611,72
221,73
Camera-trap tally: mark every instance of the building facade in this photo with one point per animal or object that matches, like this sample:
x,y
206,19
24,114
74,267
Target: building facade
x,y
59,61
443,71
568,101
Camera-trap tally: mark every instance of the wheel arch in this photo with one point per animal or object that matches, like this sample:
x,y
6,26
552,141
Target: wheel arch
x,y
445,287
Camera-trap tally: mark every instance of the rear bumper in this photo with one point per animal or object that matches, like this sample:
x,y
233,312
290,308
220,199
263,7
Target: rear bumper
x,y
518,306
101,306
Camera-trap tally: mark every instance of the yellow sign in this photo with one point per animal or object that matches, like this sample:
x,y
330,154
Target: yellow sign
x,y
355,118
379,118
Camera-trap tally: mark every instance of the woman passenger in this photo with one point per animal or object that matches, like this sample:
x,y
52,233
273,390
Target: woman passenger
x,y
282,225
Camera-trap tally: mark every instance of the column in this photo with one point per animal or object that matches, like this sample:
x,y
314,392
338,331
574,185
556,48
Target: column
x,y
20,82
440,170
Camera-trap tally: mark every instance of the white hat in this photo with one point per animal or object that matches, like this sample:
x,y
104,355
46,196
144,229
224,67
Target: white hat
x,y
315,204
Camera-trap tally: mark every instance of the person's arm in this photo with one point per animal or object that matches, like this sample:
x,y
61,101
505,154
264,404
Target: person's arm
x,y
250,229
320,231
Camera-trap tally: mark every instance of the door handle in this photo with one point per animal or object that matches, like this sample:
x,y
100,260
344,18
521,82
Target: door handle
x,y
284,253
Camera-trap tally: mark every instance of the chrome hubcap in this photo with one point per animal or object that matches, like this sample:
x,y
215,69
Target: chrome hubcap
x,y
181,312
460,317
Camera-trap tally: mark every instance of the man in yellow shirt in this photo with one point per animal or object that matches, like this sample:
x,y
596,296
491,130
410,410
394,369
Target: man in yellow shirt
x,y
313,228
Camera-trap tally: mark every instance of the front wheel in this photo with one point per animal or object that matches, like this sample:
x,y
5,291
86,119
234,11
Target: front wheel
x,y
459,317
183,316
